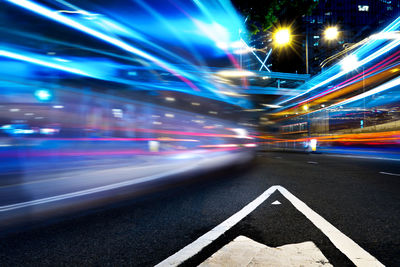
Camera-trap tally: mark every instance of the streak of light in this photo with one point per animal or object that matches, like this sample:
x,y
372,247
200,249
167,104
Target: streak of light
x,y
352,84
41,62
236,73
172,28
117,139
231,93
349,63
217,40
271,106
376,90
360,63
111,40
390,137
80,153
359,76
220,145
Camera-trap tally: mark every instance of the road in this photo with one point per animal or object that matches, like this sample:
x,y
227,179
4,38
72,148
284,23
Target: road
x,y
359,197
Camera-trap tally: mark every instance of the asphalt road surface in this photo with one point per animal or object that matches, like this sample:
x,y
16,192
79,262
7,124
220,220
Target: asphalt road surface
x,y
360,197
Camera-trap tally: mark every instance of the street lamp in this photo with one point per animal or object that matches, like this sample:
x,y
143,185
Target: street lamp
x,y
331,33
282,37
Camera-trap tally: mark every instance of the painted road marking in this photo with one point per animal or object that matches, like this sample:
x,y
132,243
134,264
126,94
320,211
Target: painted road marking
x,y
312,162
389,173
361,157
276,202
206,239
348,247
243,251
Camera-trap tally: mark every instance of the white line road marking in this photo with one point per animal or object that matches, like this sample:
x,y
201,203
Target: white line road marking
x,y
312,162
348,247
276,202
352,250
206,239
361,157
389,173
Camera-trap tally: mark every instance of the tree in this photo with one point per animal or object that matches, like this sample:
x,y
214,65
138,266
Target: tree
x,y
262,15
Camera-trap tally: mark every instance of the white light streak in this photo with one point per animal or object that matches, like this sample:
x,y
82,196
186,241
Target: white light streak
x,y
371,57
76,25
41,62
235,73
349,63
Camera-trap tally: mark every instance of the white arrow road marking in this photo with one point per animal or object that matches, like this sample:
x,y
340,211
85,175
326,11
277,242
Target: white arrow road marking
x,y
352,250
276,202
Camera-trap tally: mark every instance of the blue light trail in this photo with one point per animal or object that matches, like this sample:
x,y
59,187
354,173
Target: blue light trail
x,y
329,75
114,41
19,56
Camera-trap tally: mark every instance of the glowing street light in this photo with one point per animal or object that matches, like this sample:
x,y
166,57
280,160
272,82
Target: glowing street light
x,y
331,33
282,37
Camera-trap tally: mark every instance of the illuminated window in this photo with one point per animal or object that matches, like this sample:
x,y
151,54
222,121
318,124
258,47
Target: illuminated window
x,y
363,8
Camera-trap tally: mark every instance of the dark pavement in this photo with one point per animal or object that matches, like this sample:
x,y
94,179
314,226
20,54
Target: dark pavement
x,y
350,193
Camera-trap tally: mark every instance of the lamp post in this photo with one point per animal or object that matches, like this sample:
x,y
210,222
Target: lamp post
x,y
283,37
330,34
307,50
